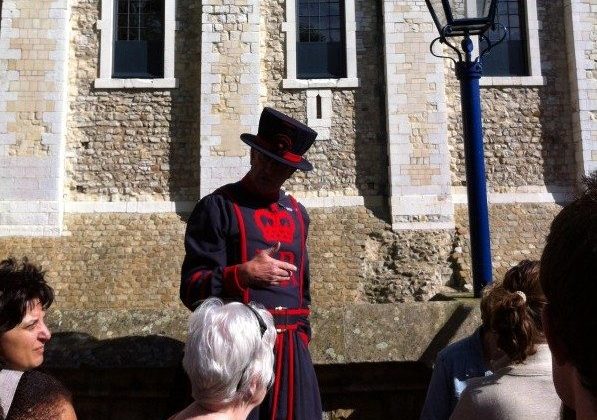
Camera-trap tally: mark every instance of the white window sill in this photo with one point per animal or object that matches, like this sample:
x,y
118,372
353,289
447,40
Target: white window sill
x,y
513,81
320,83
136,83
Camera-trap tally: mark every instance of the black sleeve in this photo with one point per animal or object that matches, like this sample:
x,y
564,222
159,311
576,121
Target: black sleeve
x,y
206,271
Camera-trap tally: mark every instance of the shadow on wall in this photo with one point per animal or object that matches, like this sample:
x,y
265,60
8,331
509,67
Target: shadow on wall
x,y
365,391
559,168
370,110
142,378
446,333
122,378
186,104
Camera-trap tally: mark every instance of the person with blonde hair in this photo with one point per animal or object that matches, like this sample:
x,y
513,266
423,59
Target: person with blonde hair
x,y
523,388
229,359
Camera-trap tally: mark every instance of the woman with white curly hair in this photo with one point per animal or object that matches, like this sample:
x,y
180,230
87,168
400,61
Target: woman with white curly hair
x,y
229,359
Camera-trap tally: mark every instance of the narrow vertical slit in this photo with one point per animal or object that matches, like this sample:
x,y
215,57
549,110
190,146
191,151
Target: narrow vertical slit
x,y
318,102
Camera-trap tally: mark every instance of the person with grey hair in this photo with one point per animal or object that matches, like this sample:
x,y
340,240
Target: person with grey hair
x,y
229,359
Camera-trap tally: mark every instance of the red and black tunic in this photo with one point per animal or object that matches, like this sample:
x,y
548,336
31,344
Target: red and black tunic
x,y
229,227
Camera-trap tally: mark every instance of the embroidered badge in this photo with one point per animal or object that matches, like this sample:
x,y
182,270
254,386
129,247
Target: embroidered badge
x,y
288,257
275,226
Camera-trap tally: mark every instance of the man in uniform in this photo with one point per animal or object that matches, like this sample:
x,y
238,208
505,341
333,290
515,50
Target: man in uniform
x,y
247,242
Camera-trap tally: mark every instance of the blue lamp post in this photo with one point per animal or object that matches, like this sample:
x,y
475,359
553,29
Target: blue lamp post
x,y
453,20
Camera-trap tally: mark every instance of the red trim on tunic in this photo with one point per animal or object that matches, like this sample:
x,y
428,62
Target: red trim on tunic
x,y
303,337
232,284
278,374
290,398
243,243
198,276
290,311
299,214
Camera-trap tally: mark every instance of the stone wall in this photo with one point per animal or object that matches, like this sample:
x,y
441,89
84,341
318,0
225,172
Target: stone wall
x,y
132,143
119,260
33,50
355,257
580,21
518,232
528,137
354,160
109,260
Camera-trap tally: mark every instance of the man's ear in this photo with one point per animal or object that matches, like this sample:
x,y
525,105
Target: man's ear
x,y
557,347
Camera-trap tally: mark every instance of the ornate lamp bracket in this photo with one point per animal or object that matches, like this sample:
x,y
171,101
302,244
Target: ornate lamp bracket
x,y
490,45
443,39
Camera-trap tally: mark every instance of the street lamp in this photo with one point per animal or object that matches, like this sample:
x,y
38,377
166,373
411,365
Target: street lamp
x,y
459,19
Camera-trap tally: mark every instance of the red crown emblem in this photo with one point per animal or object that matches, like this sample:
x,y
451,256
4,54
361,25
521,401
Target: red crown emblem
x,y
275,226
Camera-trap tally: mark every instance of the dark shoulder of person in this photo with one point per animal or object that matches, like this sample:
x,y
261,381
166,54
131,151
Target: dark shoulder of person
x,y
38,396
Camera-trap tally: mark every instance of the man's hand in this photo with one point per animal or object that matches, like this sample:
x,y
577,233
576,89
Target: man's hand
x,y
264,270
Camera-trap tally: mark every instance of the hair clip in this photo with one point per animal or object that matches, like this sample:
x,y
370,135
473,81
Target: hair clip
x,y
522,295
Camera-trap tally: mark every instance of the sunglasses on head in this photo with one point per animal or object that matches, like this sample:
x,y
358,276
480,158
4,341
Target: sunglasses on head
x,y
262,325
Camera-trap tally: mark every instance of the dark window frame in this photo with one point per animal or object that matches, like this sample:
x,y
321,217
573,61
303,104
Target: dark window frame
x,y
138,44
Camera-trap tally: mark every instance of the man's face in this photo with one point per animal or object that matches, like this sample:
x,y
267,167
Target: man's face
x,y
22,348
269,173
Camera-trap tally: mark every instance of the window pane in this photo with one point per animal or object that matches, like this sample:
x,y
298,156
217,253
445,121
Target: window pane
x,y
321,45
303,9
139,44
123,6
335,36
510,57
335,8
304,22
123,20
335,22
324,9
123,34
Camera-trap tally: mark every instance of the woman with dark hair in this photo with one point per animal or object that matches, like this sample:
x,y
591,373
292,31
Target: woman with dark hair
x,y
523,388
24,298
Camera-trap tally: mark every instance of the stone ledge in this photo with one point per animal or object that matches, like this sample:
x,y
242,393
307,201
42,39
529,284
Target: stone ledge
x,y
359,333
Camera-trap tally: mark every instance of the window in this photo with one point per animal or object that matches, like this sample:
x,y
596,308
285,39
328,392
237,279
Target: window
x,y
508,58
517,60
320,46
137,44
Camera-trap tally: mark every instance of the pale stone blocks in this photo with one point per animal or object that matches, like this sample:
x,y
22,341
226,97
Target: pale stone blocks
x,y
419,173
579,23
236,39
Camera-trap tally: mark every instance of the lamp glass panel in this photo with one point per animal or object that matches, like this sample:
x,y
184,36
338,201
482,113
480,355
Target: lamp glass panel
x,y
458,8
483,8
437,8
